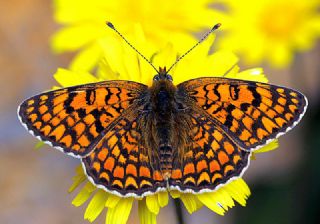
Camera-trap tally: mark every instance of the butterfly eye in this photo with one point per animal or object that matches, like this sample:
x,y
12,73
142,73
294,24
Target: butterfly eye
x,y
169,77
156,78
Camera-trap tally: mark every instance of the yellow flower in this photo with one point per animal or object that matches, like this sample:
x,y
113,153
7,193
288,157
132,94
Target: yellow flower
x,y
121,62
84,24
271,30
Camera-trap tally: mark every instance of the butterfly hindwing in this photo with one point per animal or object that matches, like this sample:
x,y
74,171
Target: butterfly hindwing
x,y
121,165
212,158
73,119
252,113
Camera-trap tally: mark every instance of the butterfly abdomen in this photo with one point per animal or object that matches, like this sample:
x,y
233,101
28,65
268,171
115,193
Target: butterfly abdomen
x,y
162,101
165,154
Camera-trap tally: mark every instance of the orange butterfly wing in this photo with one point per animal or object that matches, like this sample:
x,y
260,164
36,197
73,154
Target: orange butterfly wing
x,y
74,119
251,113
120,164
212,158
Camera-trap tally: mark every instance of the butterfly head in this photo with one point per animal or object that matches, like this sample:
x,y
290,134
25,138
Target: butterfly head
x,y
162,75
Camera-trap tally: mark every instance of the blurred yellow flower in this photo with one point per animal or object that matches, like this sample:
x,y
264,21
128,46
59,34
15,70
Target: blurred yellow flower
x,y
121,62
270,30
84,24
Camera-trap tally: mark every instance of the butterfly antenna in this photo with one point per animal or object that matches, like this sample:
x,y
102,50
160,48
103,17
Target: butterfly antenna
x,y
215,27
109,24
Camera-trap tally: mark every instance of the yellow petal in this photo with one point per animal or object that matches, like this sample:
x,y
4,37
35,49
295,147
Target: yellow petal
x,y
152,203
163,198
224,199
72,38
192,66
77,179
232,71
131,63
56,87
39,145
149,50
120,213
253,156
165,57
105,72
147,72
238,190
87,59
96,205
218,201
254,74
145,216
211,202
200,64
191,202
114,52
221,63
271,146
241,185
175,194
112,201
77,11
70,78
83,195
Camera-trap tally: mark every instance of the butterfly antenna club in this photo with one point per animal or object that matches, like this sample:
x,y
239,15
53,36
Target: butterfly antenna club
x,y
215,27
110,25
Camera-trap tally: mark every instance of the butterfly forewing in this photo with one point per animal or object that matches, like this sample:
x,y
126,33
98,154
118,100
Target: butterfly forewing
x,y
212,158
74,119
251,113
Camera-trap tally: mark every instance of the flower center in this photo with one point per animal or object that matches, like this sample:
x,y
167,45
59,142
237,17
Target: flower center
x,y
280,21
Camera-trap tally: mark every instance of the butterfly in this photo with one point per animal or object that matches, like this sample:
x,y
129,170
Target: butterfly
x,y
135,140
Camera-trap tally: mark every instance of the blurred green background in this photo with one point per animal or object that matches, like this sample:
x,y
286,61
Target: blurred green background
x,y
285,183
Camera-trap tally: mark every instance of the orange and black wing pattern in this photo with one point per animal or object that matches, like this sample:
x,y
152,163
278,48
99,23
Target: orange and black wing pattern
x,y
251,113
212,158
74,119
121,165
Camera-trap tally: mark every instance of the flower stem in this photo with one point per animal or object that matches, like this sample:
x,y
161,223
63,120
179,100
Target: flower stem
x,y
177,205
